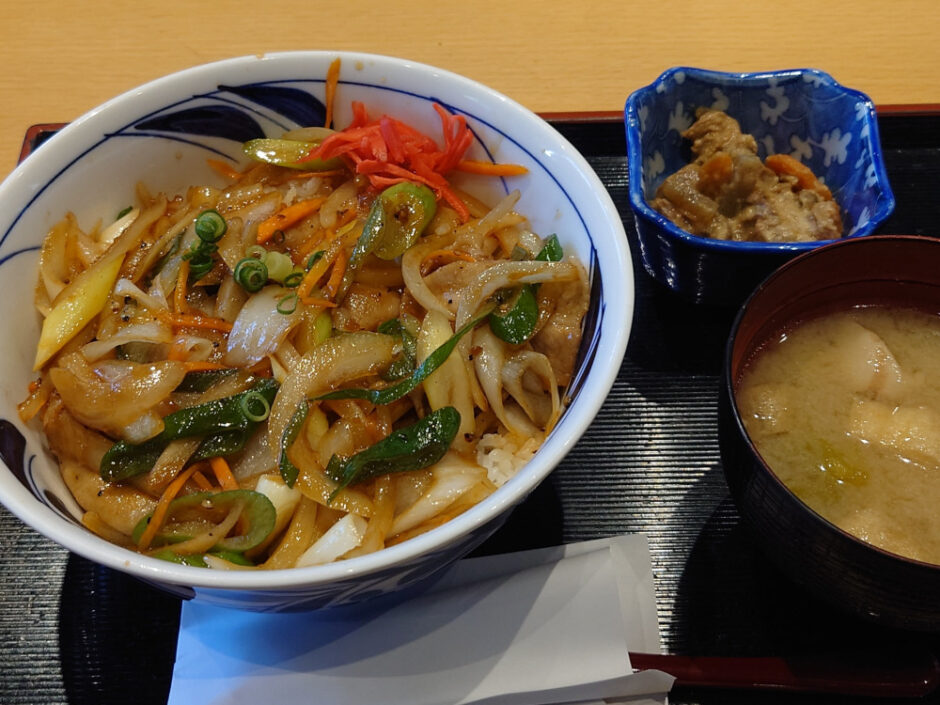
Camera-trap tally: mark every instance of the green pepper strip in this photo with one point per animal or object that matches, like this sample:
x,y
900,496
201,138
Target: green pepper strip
x,y
289,153
405,363
398,217
408,208
409,448
517,324
203,380
431,363
289,471
551,251
258,511
222,422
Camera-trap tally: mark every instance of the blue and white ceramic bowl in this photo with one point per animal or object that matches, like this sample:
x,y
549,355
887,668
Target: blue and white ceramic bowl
x,y
801,112
162,134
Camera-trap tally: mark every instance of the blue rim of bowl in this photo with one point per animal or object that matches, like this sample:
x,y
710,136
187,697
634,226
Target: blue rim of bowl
x,y
635,166
729,387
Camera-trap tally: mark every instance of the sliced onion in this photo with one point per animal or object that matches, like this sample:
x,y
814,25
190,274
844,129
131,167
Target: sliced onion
x,y
195,347
488,360
285,500
470,236
114,393
149,332
343,198
335,361
541,405
449,384
143,428
117,228
154,301
170,463
255,459
451,477
508,274
339,539
411,273
259,327
229,299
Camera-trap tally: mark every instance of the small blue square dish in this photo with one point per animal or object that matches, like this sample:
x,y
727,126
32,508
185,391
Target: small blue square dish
x,y
803,113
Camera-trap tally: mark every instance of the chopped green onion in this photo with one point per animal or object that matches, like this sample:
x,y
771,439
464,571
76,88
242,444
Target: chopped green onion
x,y
288,304
257,511
124,211
210,226
254,406
256,252
279,265
312,259
293,279
200,259
251,274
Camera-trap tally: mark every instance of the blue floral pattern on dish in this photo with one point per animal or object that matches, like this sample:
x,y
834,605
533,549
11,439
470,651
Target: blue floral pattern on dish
x,y
803,113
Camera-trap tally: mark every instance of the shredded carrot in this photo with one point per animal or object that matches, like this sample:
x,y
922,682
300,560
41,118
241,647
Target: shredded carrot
x,y
307,248
188,320
203,365
163,506
179,293
805,178
332,79
33,386
336,277
313,275
389,151
201,481
223,473
295,175
286,217
489,169
226,170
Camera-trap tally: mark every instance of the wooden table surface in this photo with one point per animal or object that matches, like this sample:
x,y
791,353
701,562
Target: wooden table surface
x,y
63,57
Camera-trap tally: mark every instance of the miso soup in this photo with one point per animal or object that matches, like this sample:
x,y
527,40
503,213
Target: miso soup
x,y
845,408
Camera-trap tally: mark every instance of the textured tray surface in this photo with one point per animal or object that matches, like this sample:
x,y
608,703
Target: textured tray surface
x,y
73,632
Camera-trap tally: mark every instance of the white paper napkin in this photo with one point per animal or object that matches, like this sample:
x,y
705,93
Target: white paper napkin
x,y
532,628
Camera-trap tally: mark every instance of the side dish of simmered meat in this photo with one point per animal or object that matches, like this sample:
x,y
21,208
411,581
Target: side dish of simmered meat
x,y
728,193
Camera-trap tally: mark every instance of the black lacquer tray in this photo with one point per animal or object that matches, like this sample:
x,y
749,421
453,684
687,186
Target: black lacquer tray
x,y
73,632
